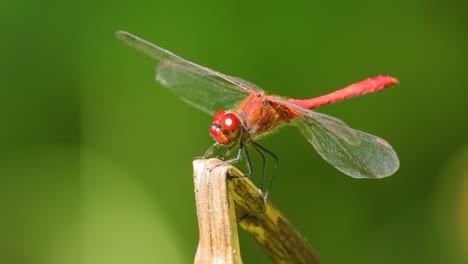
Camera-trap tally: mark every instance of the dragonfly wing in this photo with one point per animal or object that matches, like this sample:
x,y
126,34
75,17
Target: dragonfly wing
x,y
201,91
353,152
335,125
161,54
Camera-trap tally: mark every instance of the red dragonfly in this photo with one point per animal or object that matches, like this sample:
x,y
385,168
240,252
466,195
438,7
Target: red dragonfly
x,y
254,114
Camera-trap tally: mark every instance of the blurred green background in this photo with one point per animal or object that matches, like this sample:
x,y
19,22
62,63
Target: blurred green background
x,y
95,156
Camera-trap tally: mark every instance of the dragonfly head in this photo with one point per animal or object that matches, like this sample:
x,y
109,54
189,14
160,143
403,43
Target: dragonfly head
x,y
226,128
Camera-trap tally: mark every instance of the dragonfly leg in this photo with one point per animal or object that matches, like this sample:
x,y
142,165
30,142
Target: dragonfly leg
x,y
226,152
242,147
208,151
262,148
262,182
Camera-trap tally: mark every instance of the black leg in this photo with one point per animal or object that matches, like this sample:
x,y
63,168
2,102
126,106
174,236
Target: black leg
x,y
262,182
274,170
239,156
208,152
226,152
242,149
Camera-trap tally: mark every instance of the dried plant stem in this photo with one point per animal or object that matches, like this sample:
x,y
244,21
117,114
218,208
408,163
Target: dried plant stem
x,y
222,202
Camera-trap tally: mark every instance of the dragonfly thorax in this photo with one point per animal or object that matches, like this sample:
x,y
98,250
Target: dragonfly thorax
x,y
226,128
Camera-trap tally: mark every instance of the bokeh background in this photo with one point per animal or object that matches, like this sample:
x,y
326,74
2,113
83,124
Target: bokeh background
x,y
95,156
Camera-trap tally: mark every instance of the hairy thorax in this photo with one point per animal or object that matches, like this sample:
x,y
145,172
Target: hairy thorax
x,y
261,116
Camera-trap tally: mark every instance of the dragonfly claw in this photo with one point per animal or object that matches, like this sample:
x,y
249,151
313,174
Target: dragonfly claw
x,y
265,195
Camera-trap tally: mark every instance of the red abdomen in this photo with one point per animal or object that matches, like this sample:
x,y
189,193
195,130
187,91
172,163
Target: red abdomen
x,y
368,85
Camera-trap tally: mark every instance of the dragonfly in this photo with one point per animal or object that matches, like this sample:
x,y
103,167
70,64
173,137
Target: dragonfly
x,y
253,114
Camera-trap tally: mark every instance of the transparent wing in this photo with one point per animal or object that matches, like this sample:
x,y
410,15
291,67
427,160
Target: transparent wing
x,y
332,124
203,92
196,84
353,152
360,155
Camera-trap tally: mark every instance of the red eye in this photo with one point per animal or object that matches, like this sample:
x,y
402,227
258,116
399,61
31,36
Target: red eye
x,y
215,131
229,122
218,134
218,115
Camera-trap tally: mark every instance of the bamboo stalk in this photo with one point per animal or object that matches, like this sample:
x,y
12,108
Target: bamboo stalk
x,y
221,203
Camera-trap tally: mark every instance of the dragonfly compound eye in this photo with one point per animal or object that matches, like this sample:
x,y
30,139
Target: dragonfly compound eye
x,y
218,134
230,122
225,127
230,125
218,116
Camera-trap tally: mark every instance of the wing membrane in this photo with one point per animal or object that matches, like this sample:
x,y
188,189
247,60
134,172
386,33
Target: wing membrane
x,y
201,91
353,152
369,157
188,71
332,124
